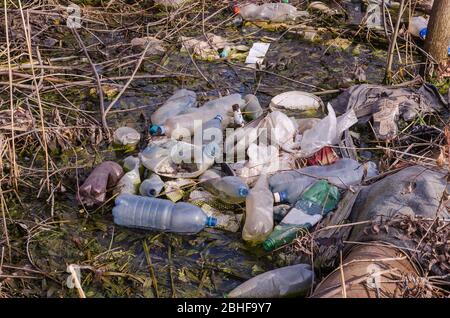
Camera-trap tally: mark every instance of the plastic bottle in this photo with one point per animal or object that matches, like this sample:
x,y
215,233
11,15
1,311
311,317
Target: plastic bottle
x,y
181,101
259,212
103,177
275,12
237,115
287,186
315,203
252,107
286,281
184,124
418,27
130,181
152,186
229,189
213,129
126,136
161,215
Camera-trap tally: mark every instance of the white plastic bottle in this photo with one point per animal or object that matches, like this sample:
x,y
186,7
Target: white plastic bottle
x,y
258,212
160,215
418,27
130,181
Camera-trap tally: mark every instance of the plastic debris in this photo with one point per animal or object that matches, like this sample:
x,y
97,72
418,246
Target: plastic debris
x,y
161,215
258,212
229,189
286,281
175,190
127,136
295,101
252,108
131,180
104,177
274,12
155,46
257,53
152,186
181,101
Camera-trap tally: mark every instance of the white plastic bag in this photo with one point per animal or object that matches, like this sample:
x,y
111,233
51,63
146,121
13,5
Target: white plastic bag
x,y
326,132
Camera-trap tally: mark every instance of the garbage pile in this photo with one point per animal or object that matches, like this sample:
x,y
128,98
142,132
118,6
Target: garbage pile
x,y
204,165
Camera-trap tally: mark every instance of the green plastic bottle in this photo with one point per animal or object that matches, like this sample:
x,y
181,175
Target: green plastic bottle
x,y
316,202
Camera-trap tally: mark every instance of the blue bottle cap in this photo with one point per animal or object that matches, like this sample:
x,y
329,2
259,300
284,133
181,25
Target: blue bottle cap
x,y
243,192
219,117
282,196
155,130
211,221
423,33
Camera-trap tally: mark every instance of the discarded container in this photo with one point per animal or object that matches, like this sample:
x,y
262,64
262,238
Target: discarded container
x,y
315,203
274,12
287,186
103,177
286,281
212,130
160,215
152,186
185,124
259,212
418,27
229,189
252,108
130,181
126,136
237,116
295,101
181,101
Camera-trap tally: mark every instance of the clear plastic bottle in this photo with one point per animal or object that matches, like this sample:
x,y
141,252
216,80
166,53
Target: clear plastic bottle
x,y
184,124
418,27
181,101
252,108
286,281
213,129
152,186
258,212
229,189
287,186
160,215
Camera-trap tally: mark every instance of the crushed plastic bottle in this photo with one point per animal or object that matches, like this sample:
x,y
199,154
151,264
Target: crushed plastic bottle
x,y
130,181
259,212
229,189
274,12
252,109
160,215
126,136
184,124
314,204
287,186
180,102
103,177
286,281
152,186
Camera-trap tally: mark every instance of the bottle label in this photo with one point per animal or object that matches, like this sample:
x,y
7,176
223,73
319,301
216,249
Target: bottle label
x,y
299,217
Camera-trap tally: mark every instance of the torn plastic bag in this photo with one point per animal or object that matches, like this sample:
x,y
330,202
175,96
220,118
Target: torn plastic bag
x,y
385,104
178,159
294,280
327,132
103,177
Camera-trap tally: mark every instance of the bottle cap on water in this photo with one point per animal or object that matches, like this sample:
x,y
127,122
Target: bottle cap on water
x,y
211,221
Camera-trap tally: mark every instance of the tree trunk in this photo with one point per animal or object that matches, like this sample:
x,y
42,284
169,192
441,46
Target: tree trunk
x,y
438,36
